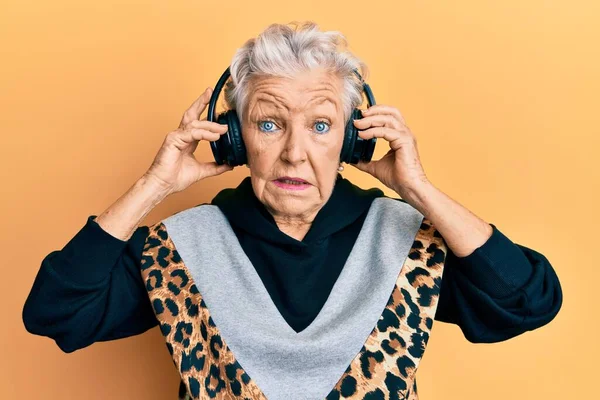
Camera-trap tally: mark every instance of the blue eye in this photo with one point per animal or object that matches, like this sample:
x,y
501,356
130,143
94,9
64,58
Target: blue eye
x,y
320,125
266,126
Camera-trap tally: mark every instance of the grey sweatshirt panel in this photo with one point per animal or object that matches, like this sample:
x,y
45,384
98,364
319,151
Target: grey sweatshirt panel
x,y
286,364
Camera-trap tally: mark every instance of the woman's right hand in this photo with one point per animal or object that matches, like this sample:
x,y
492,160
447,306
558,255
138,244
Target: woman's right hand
x,y
175,166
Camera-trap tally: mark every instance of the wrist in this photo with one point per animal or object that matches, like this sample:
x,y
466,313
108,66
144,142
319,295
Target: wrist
x,y
155,190
418,193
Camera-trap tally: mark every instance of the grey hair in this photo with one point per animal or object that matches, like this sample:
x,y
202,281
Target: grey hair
x,y
282,50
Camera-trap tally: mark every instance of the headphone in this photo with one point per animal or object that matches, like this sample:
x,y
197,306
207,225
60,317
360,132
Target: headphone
x,y
230,147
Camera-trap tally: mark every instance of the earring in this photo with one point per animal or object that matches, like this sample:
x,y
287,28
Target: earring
x,y
341,168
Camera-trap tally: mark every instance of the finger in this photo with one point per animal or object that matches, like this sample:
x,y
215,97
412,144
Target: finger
x,y
192,135
208,125
384,109
378,120
204,134
212,168
194,144
197,107
394,137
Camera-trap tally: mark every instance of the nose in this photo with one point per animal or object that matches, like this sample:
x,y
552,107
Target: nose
x,y
294,151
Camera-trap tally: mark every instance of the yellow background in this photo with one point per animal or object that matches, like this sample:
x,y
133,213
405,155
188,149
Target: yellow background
x,y
502,96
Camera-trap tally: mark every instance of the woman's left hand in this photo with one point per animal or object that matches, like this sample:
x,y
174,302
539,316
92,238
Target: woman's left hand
x,y
400,168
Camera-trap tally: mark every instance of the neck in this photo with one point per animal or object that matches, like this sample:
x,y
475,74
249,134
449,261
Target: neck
x,y
296,226
298,232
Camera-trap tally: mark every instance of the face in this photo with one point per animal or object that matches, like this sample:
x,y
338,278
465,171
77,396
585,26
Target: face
x,y
294,128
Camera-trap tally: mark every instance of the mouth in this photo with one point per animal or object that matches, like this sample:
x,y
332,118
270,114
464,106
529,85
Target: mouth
x,y
293,183
291,180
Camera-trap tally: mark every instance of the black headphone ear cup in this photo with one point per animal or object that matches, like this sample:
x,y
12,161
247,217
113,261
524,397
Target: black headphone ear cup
x,y
238,148
220,147
230,147
356,148
350,134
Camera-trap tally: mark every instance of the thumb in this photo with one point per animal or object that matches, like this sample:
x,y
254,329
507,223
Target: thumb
x,y
212,168
364,166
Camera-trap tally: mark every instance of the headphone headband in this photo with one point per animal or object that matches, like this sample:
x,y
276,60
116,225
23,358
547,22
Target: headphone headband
x,y
215,95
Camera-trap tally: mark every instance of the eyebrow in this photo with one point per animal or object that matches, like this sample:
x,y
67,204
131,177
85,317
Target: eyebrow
x,y
324,99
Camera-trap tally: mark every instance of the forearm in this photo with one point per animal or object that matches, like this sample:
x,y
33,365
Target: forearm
x,y
122,217
462,230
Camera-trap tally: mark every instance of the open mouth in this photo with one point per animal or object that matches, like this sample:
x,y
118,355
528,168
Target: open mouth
x,y
291,183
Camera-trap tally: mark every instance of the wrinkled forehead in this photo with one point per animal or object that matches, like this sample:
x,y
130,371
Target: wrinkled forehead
x,y
313,91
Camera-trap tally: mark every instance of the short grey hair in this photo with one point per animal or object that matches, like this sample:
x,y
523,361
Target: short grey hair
x,y
282,50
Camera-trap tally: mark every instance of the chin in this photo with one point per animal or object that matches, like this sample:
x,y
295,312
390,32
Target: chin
x,y
293,207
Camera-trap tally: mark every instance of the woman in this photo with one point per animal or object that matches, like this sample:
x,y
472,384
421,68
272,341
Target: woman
x,y
296,284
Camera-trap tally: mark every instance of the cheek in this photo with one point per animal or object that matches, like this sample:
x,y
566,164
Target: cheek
x,y
334,149
260,153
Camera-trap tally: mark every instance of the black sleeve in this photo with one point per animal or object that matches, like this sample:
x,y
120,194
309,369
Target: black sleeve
x,y
91,290
499,291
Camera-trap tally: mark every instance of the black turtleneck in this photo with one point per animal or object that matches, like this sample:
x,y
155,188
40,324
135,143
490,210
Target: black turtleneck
x,y
91,290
